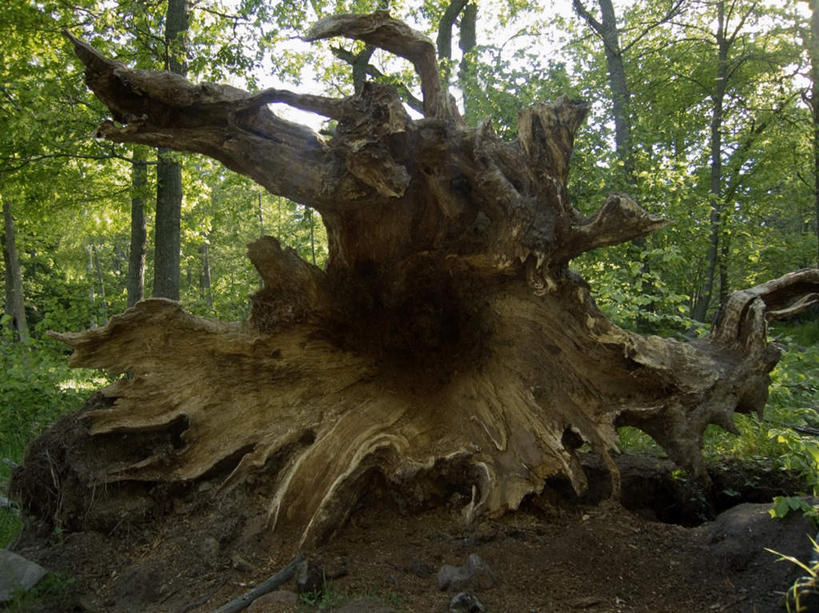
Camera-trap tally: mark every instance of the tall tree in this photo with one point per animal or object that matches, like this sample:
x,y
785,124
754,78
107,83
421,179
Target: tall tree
x,y
608,31
167,245
813,52
15,303
741,62
135,283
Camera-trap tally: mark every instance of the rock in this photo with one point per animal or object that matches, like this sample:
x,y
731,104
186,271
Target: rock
x,y
466,602
17,573
475,575
278,601
741,536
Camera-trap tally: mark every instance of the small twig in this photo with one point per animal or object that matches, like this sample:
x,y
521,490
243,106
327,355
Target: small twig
x,y
263,588
10,463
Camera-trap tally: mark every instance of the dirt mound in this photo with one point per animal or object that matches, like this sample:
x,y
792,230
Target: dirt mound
x,y
148,547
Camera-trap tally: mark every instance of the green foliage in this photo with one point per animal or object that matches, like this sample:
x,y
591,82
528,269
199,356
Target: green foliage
x,y
785,505
793,402
804,586
36,388
55,592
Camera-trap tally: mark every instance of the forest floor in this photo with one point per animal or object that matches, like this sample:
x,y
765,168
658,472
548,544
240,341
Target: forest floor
x,y
669,547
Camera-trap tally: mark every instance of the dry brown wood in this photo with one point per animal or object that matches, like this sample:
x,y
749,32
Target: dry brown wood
x,y
447,343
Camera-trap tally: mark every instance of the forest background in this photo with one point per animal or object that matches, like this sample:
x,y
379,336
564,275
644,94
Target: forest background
x,y
703,110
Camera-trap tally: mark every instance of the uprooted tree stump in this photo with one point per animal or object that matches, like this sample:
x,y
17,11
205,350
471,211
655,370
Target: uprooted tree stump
x,y
447,338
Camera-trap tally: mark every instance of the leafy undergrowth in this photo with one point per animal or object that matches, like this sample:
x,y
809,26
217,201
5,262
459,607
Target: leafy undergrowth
x,y
36,388
56,592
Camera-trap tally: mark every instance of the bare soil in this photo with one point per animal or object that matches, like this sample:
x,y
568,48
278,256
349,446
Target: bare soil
x,y
143,547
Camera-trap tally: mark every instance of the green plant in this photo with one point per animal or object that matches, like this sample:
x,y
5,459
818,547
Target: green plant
x,y
785,505
806,585
10,524
793,396
56,591
635,440
325,598
36,388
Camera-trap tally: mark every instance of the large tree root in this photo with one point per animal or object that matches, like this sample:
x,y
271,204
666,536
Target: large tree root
x,y
447,342
545,380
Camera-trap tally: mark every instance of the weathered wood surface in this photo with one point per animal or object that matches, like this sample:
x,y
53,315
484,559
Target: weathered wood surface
x,y
446,342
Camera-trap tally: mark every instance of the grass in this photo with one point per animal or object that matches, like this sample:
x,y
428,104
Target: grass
x,y
804,588
36,388
55,592
331,598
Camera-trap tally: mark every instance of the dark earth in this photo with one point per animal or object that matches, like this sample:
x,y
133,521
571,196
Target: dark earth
x,y
671,544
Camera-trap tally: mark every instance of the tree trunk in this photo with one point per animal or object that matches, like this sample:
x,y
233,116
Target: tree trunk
x,y
447,343
716,221
609,33
89,269
261,216
15,304
204,277
312,236
100,281
814,73
169,171
467,42
135,281
167,245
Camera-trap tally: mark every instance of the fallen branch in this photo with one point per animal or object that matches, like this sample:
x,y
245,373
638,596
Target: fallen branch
x,y
270,584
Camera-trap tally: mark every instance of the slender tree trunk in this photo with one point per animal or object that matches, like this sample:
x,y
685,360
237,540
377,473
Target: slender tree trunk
x,y
167,244
169,171
608,31
89,269
204,277
312,235
466,43
261,216
100,282
814,65
135,281
724,259
715,190
444,39
620,94
15,304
